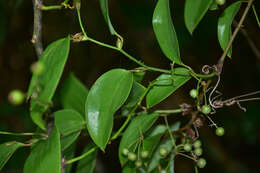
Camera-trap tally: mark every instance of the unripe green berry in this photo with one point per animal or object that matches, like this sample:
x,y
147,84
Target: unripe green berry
x,y
125,151
131,156
138,163
37,68
198,151
187,147
197,144
201,163
194,93
220,131
163,152
163,171
16,97
220,2
206,109
144,154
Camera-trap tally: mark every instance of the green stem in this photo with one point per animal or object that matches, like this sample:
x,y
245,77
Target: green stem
x,y
81,25
20,134
187,156
81,156
169,130
256,17
53,7
170,111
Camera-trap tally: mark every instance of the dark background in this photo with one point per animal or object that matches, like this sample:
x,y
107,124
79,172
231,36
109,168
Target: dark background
x,y
236,152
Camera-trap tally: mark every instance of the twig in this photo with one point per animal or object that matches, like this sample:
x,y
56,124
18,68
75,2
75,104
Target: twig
x,y
37,27
222,58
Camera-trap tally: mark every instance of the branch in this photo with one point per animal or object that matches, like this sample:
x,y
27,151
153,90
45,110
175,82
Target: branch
x,y
222,58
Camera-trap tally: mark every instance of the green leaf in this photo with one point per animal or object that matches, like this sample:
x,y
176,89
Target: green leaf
x,y
213,6
224,25
171,167
165,32
194,11
42,87
87,164
7,150
165,85
105,12
68,121
136,93
73,94
66,141
105,97
153,138
138,76
45,155
69,154
138,126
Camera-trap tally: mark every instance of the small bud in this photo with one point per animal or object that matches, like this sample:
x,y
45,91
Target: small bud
x,y
16,97
119,43
201,163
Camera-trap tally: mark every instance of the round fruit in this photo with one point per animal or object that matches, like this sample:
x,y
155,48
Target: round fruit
x,y
206,109
163,152
144,154
138,163
194,93
131,156
125,151
201,163
187,147
198,151
220,2
220,131
37,68
197,144
16,97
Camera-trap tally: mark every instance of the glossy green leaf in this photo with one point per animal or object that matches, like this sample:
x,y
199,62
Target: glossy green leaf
x,y
73,94
7,150
69,154
153,138
224,25
68,121
105,97
165,32
138,126
138,76
87,164
105,12
136,93
42,87
171,167
45,155
194,11
66,141
166,85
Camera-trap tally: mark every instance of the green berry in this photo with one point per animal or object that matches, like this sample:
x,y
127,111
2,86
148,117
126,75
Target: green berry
x,y
206,109
187,147
125,151
220,2
198,151
131,156
220,131
163,171
201,163
163,152
144,154
138,163
194,93
37,68
16,97
197,144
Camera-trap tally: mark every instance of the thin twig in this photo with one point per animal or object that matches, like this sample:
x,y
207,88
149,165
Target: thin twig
x,y
222,58
37,27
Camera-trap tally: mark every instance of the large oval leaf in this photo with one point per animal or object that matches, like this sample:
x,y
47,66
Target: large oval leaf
x,y
105,97
165,85
165,32
66,141
73,94
68,121
224,25
105,12
42,87
45,155
194,11
7,150
138,126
